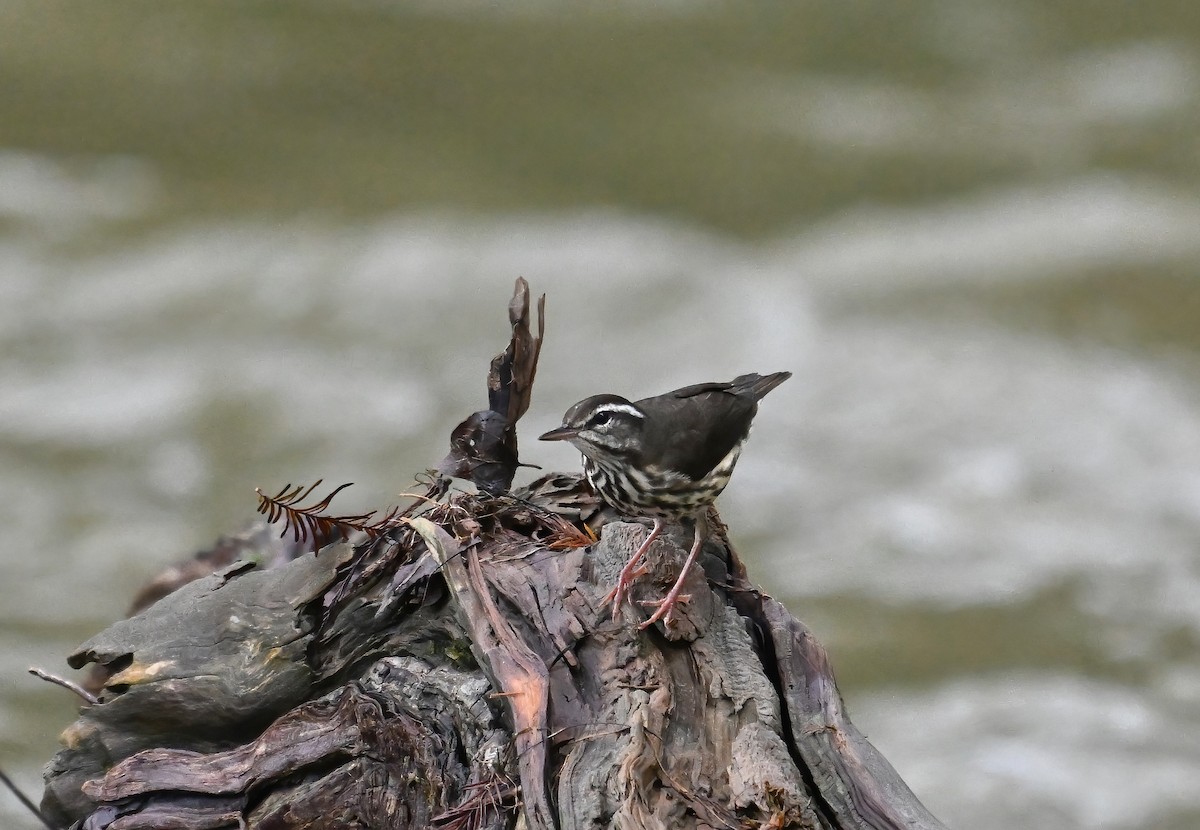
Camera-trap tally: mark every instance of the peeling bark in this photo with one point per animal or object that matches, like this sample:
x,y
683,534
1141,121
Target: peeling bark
x,y
458,668
478,681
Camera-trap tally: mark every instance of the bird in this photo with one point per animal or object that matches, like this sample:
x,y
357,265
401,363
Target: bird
x,y
666,457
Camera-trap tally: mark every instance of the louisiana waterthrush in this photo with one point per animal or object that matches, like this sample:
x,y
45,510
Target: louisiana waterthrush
x,y
665,457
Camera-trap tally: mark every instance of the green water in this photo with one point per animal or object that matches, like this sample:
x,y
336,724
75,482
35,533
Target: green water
x,y
718,114
245,243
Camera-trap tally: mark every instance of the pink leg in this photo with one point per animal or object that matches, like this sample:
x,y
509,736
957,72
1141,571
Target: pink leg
x,y
667,605
617,595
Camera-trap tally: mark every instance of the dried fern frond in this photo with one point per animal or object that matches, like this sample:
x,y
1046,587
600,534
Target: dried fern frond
x,y
564,535
310,522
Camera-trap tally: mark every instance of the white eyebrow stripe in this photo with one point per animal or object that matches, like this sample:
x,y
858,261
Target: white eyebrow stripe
x,y
620,407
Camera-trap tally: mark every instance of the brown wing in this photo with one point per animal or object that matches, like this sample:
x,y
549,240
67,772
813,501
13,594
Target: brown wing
x,y
691,434
692,429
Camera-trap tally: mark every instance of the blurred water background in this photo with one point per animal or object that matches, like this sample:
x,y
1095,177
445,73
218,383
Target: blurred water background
x,y
245,243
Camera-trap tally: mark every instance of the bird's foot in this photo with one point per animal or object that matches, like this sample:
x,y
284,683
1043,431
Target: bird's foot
x,y
666,605
628,574
633,569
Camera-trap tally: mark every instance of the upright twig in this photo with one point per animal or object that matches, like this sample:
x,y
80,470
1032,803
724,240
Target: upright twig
x,y
483,448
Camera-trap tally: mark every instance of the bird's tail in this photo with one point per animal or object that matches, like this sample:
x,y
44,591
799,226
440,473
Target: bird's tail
x,y
757,386
754,385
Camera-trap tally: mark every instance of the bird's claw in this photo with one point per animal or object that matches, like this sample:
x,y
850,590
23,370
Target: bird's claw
x,y
634,568
618,594
666,608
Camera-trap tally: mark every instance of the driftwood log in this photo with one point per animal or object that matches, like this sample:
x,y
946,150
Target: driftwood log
x,y
454,666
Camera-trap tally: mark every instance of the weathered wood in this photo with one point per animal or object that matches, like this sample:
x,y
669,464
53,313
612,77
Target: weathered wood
x,y
457,667
485,659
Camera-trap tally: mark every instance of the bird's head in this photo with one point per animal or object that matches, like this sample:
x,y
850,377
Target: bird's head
x,y
600,426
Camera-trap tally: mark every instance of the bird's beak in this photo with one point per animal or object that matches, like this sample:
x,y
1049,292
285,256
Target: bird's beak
x,y
559,434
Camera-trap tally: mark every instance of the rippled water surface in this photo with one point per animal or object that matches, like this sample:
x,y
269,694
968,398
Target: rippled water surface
x,y
245,244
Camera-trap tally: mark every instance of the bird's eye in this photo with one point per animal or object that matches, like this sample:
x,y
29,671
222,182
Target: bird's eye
x,y
601,418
